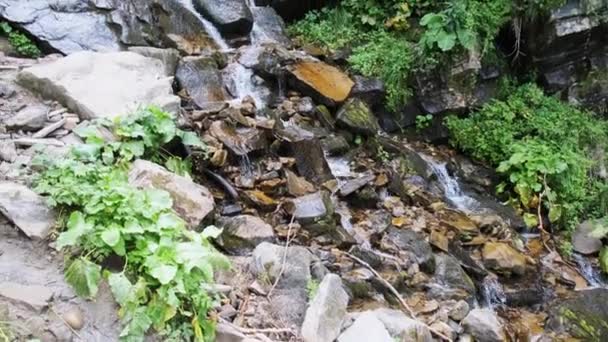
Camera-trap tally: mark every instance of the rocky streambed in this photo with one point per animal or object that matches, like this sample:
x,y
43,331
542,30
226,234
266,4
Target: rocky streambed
x,y
335,229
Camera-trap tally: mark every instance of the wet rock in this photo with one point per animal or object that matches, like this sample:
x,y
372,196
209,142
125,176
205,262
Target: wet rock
x,y
191,201
169,57
335,145
370,90
324,83
450,274
26,209
31,118
269,26
582,242
34,297
326,312
459,311
243,233
123,82
314,212
240,141
354,185
229,16
261,200
503,258
74,318
290,297
202,81
358,117
484,326
457,220
8,151
298,186
310,160
413,242
367,327
584,315
402,327
359,283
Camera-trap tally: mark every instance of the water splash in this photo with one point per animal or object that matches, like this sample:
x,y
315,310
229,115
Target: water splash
x,y
451,187
211,30
587,271
243,84
492,292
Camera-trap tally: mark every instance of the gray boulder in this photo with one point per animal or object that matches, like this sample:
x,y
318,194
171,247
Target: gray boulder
x,y
583,242
243,233
169,57
30,118
202,81
356,115
191,201
314,212
34,297
326,311
102,85
367,327
402,327
450,274
229,16
484,326
268,26
26,209
412,242
584,315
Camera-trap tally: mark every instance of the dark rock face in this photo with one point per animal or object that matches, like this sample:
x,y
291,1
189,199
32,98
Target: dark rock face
x,y
310,160
569,47
201,79
293,9
269,26
585,316
108,25
230,16
358,117
413,242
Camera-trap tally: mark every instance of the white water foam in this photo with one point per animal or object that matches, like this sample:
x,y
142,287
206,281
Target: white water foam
x,y
211,30
451,187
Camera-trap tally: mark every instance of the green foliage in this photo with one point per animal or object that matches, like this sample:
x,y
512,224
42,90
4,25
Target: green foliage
x,y
165,264
312,287
22,44
423,121
542,147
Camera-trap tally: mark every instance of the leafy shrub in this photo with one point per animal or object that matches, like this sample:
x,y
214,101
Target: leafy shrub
x,y
22,44
542,146
165,264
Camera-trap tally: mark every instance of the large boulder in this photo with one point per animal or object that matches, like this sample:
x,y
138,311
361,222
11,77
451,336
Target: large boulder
x,y
229,16
326,311
108,25
241,140
323,82
503,258
315,212
402,327
582,240
358,117
449,274
268,26
243,233
26,209
407,240
585,315
202,81
191,201
102,85
367,327
484,326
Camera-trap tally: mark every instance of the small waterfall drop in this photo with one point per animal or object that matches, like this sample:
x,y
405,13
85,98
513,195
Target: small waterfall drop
x,y
244,84
587,271
451,187
211,30
492,292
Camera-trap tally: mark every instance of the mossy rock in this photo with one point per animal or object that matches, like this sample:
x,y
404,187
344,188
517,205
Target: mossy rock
x,y
358,117
585,315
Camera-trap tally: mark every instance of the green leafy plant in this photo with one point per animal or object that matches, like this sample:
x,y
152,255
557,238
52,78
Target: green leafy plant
x,y
22,44
423,121
165,264
312,287
542,146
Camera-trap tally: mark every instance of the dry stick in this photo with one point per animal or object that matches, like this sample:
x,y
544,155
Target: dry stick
x,y
287,241
66,323
396,294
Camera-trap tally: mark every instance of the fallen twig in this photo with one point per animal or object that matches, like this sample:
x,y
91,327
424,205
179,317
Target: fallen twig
x,y
66,323
287,241
396,294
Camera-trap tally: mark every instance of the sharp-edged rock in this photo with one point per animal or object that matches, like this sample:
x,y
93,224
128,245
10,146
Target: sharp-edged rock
x,y
26,209
229,16
34,297
310,160
484,326
8,151
268,27
503,258
326,311
298,186
358,117
314,212
200,78
583,242
354,185
370,90
367,327
191,201
324,83
402,327
102,85
169,57
243,233
412,242
584,315
30,118
240,141
450,274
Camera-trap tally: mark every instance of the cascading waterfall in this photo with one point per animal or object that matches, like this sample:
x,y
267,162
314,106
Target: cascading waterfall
x,y
590,273
451,187
492,292
211,30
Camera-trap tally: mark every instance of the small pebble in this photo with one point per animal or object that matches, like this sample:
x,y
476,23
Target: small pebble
x,y
74,318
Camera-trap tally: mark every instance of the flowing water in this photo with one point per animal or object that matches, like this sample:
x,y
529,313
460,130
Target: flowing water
x,y
451,187
244,84
492,292
591,274
211,30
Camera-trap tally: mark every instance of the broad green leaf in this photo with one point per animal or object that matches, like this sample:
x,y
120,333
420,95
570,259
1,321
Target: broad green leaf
x,y
134,148
159,199
193,254
190,139
446,41
604,259
137,326
466,39
77,227
84,277
555,213
170,221
163,273
111,236
121,287
531,220
212,232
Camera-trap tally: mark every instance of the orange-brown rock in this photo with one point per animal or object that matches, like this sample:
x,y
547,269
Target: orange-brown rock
x,y
325,83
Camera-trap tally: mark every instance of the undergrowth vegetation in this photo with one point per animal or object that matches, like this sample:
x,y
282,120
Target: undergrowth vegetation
x,y
159,281
546,149
392,39
23,45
